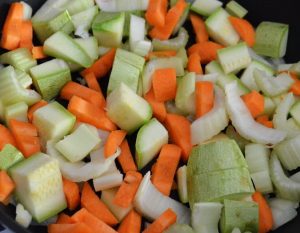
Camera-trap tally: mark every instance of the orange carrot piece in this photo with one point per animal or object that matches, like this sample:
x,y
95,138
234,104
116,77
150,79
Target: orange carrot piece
x,y
71,190
125,158
158,107
264,120
38,52
102,66
156,12
6,137
113,141
162,222
166,53
206,50
295,89
255,102
199,28
26,35
84,216
92,96
171,20
92,82
64,219
131,223
174,185
164,84
6,186
165,168
11,32
88,113
70,228
22,128
244,29
35,107
194,64
204,94
265,213
126,193
95,206
179,129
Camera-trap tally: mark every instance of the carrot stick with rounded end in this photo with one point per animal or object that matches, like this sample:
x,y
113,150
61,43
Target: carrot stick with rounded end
x,y
156,12
204,94
206,50
6,186
199,28
131,223
38,52
255,103
69,228
6,137
35,107
125,158
158,107
71,190
194,64
113,141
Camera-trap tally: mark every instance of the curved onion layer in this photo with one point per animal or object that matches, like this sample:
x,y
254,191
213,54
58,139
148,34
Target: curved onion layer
x,y
243,121
208,77
286,187
152,203
122,5
211,123
172,44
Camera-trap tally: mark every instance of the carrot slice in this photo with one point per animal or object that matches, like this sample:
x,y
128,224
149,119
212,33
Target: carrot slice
x,y
206,50
22,128
95,206
71,190
69,228
6,137
244,29
167,53
92,82
164,84
6,186
113,141
264,120
125,158
199,28
172,18
255,102
156,12
38,52
26,35
296,85
35,107
194,64
64,219
102,66
204,93
179,129
165,168
131,223
158,107
88,113
162,222
265,213
126,193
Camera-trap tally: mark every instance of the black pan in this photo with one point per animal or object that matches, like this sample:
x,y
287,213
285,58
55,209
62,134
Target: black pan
x,y
284,11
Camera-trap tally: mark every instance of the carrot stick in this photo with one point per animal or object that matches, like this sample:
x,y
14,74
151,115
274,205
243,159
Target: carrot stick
x,y
95,206
88,113
194,64
126,193
162,222
164,84
69,228
131,223
265,213
64,219
204,94
11,32
165,168
26,35
71,190
244,29
156,12
38,52
206,50
6,186
171,20
6,137
296,85
125,158
167,53
255,102
158,108
102,66
179,129
264,120
35,107
113,141
92,82
199,28
92,96
84,216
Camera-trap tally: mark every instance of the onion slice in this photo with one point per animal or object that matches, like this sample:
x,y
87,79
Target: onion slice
x,y
122,5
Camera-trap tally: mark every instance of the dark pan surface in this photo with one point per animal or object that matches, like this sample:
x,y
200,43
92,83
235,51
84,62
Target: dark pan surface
x,y
285,11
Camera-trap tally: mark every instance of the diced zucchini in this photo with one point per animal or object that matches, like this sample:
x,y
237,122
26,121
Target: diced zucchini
x,y
205,7
231,133
179,228
49,77
181,53
295,112
142,47
128,110
17,111
84,19
90,46
182,184
131,59
9,156
137,30
24,79
150,138
76,6
182,19
235,9
220,29
127,20
39,186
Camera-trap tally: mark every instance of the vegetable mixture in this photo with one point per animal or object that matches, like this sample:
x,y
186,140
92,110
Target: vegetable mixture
x,y
166,129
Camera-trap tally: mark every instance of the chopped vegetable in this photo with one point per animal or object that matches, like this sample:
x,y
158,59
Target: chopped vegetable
x,y
131,223
7,186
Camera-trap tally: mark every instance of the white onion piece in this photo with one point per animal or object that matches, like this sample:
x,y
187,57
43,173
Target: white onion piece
x,y
243,121
296,177
23,217
27,11
281,217
122,5
282,204
211,123
108,181
82,32
151,203
103,135
208,77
